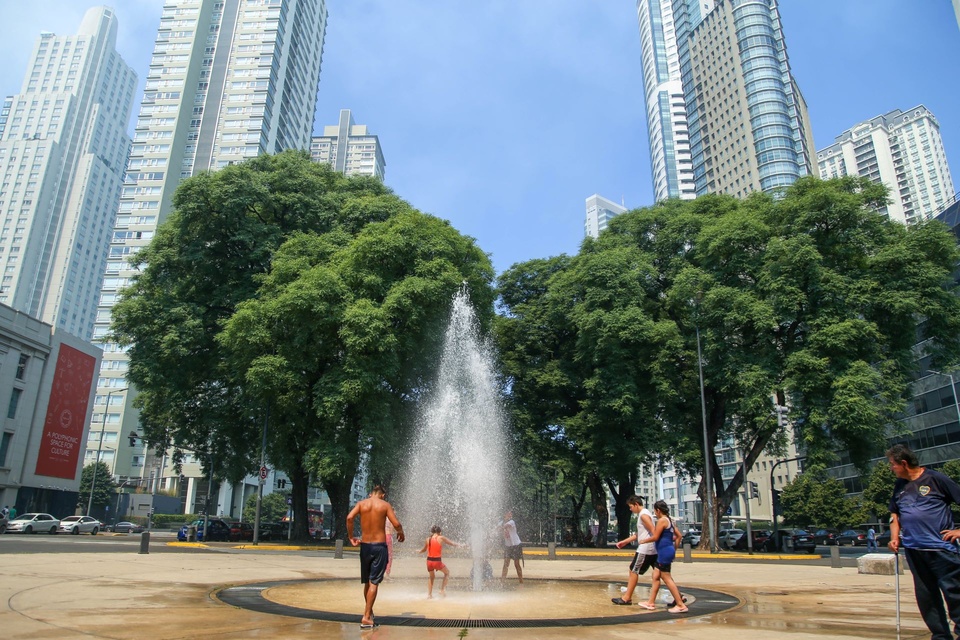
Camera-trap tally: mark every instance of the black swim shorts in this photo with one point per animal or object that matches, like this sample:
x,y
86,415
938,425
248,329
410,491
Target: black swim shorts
x,y
373,561
642,562
513,553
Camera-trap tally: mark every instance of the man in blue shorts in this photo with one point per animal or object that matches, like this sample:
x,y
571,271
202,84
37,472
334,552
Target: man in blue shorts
x,y
374,555
922,523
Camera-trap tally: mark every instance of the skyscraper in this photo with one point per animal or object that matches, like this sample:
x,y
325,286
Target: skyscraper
x,y
668,136
599,212
349,148
228,81
63,145
746,122
904,151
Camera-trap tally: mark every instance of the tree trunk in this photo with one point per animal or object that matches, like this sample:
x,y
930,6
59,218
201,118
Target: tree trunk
x,y
300,480
599,498
339,493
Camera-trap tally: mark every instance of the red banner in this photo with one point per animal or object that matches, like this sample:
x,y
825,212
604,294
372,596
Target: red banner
x,y
62,440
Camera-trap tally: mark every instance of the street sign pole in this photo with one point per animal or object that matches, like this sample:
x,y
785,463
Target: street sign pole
x,y
263,477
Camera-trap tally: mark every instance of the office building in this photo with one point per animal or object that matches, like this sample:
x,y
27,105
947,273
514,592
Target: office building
x,y
349,148
902,150
63,145
599,212
47,382
746,124
228,81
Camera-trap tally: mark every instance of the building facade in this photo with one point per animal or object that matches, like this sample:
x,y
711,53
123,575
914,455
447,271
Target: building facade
x,y
902,150
63,146
744,125
228,81
349,148
668,135
47,382
599,213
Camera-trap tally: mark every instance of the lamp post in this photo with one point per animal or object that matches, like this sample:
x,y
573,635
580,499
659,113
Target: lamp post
x,y
96,464
707,469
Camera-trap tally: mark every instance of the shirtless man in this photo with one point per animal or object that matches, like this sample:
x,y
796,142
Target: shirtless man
x,y
374,513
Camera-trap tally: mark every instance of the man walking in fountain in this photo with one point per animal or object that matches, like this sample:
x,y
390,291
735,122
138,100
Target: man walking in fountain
x,y
512,549
374,555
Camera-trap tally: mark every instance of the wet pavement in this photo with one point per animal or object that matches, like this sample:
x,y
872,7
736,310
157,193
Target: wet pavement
x,y
177,595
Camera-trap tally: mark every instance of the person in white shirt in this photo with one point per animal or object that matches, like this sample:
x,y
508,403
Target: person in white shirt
x,y
646,555
512,549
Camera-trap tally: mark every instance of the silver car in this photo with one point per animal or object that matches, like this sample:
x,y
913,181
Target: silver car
x,y
80,524
33,523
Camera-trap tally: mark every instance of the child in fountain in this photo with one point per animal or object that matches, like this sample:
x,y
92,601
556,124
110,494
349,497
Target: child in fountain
x,y
434,549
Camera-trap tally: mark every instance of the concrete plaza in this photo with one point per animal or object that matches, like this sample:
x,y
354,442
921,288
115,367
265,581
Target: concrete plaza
x,y
174,595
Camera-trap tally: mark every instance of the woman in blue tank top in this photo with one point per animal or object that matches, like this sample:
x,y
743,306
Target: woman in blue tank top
x,y
666,537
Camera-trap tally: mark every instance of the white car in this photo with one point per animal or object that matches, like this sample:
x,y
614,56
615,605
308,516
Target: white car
x,y
80,524
33,523
728,537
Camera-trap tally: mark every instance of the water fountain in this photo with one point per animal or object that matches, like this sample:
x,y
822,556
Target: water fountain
x,y
457,466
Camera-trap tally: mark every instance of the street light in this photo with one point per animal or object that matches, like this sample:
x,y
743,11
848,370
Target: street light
x,y
707,470
96,463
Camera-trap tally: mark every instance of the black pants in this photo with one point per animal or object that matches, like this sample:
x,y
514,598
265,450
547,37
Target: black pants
x,y
936,577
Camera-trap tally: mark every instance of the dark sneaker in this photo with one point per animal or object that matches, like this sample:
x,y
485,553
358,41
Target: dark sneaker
x,y
673,603
620,601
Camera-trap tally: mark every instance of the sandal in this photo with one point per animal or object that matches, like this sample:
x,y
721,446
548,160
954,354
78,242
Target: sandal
x,y
678,609
647,605
620,601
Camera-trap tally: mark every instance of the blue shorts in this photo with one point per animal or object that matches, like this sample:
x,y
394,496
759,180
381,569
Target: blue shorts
x,y
373,561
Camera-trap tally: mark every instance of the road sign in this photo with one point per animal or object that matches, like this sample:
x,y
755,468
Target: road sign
x,y
264,472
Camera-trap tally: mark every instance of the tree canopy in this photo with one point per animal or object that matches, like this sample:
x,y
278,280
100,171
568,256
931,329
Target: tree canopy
x,y
279,290
811,300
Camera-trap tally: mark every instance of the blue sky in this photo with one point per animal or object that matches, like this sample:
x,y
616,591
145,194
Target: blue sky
x,y
502,116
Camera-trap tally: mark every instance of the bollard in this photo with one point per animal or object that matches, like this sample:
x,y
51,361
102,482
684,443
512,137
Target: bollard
x,y
191,533
551,551
338,550
687,552
835,556
145,542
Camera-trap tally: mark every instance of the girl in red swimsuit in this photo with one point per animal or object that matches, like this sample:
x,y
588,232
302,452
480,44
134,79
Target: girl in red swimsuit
x,y
434,549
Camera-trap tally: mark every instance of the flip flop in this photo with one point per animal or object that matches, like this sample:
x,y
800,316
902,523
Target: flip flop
x,y
620,601
367,627
647,605
678,610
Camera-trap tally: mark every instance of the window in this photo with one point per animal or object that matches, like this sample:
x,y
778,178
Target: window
x,y
22,366
4,447
14,401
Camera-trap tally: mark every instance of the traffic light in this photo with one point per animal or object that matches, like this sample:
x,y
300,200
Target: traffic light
x,y
753,491
281,483
133,438
777,507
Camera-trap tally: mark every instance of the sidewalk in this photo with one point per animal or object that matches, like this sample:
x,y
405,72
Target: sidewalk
x,y
173,595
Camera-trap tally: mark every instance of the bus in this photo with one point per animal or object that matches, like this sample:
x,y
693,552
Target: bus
x,y
314,522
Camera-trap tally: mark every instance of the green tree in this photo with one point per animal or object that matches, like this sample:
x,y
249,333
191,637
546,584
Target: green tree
x,y
878,491
273,507
103,489
343,336
814,499
812,300
206,259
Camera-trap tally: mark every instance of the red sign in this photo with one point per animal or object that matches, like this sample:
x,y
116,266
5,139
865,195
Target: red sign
x,y
62,439
264,472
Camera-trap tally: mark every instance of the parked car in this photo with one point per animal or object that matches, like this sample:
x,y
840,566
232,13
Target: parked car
x,y
825,536
803,541
883,539
127,527
80,524
726,537
852,537
219,530
691,537
760,538
241,531
791,540
273,531
33,523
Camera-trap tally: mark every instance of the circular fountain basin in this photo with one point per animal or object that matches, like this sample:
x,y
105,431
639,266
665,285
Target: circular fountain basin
x,y
404,602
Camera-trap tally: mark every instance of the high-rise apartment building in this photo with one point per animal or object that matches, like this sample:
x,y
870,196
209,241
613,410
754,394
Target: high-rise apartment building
x,y
746,123
901,149
349,148
63,145
599,212
228,81
668,137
